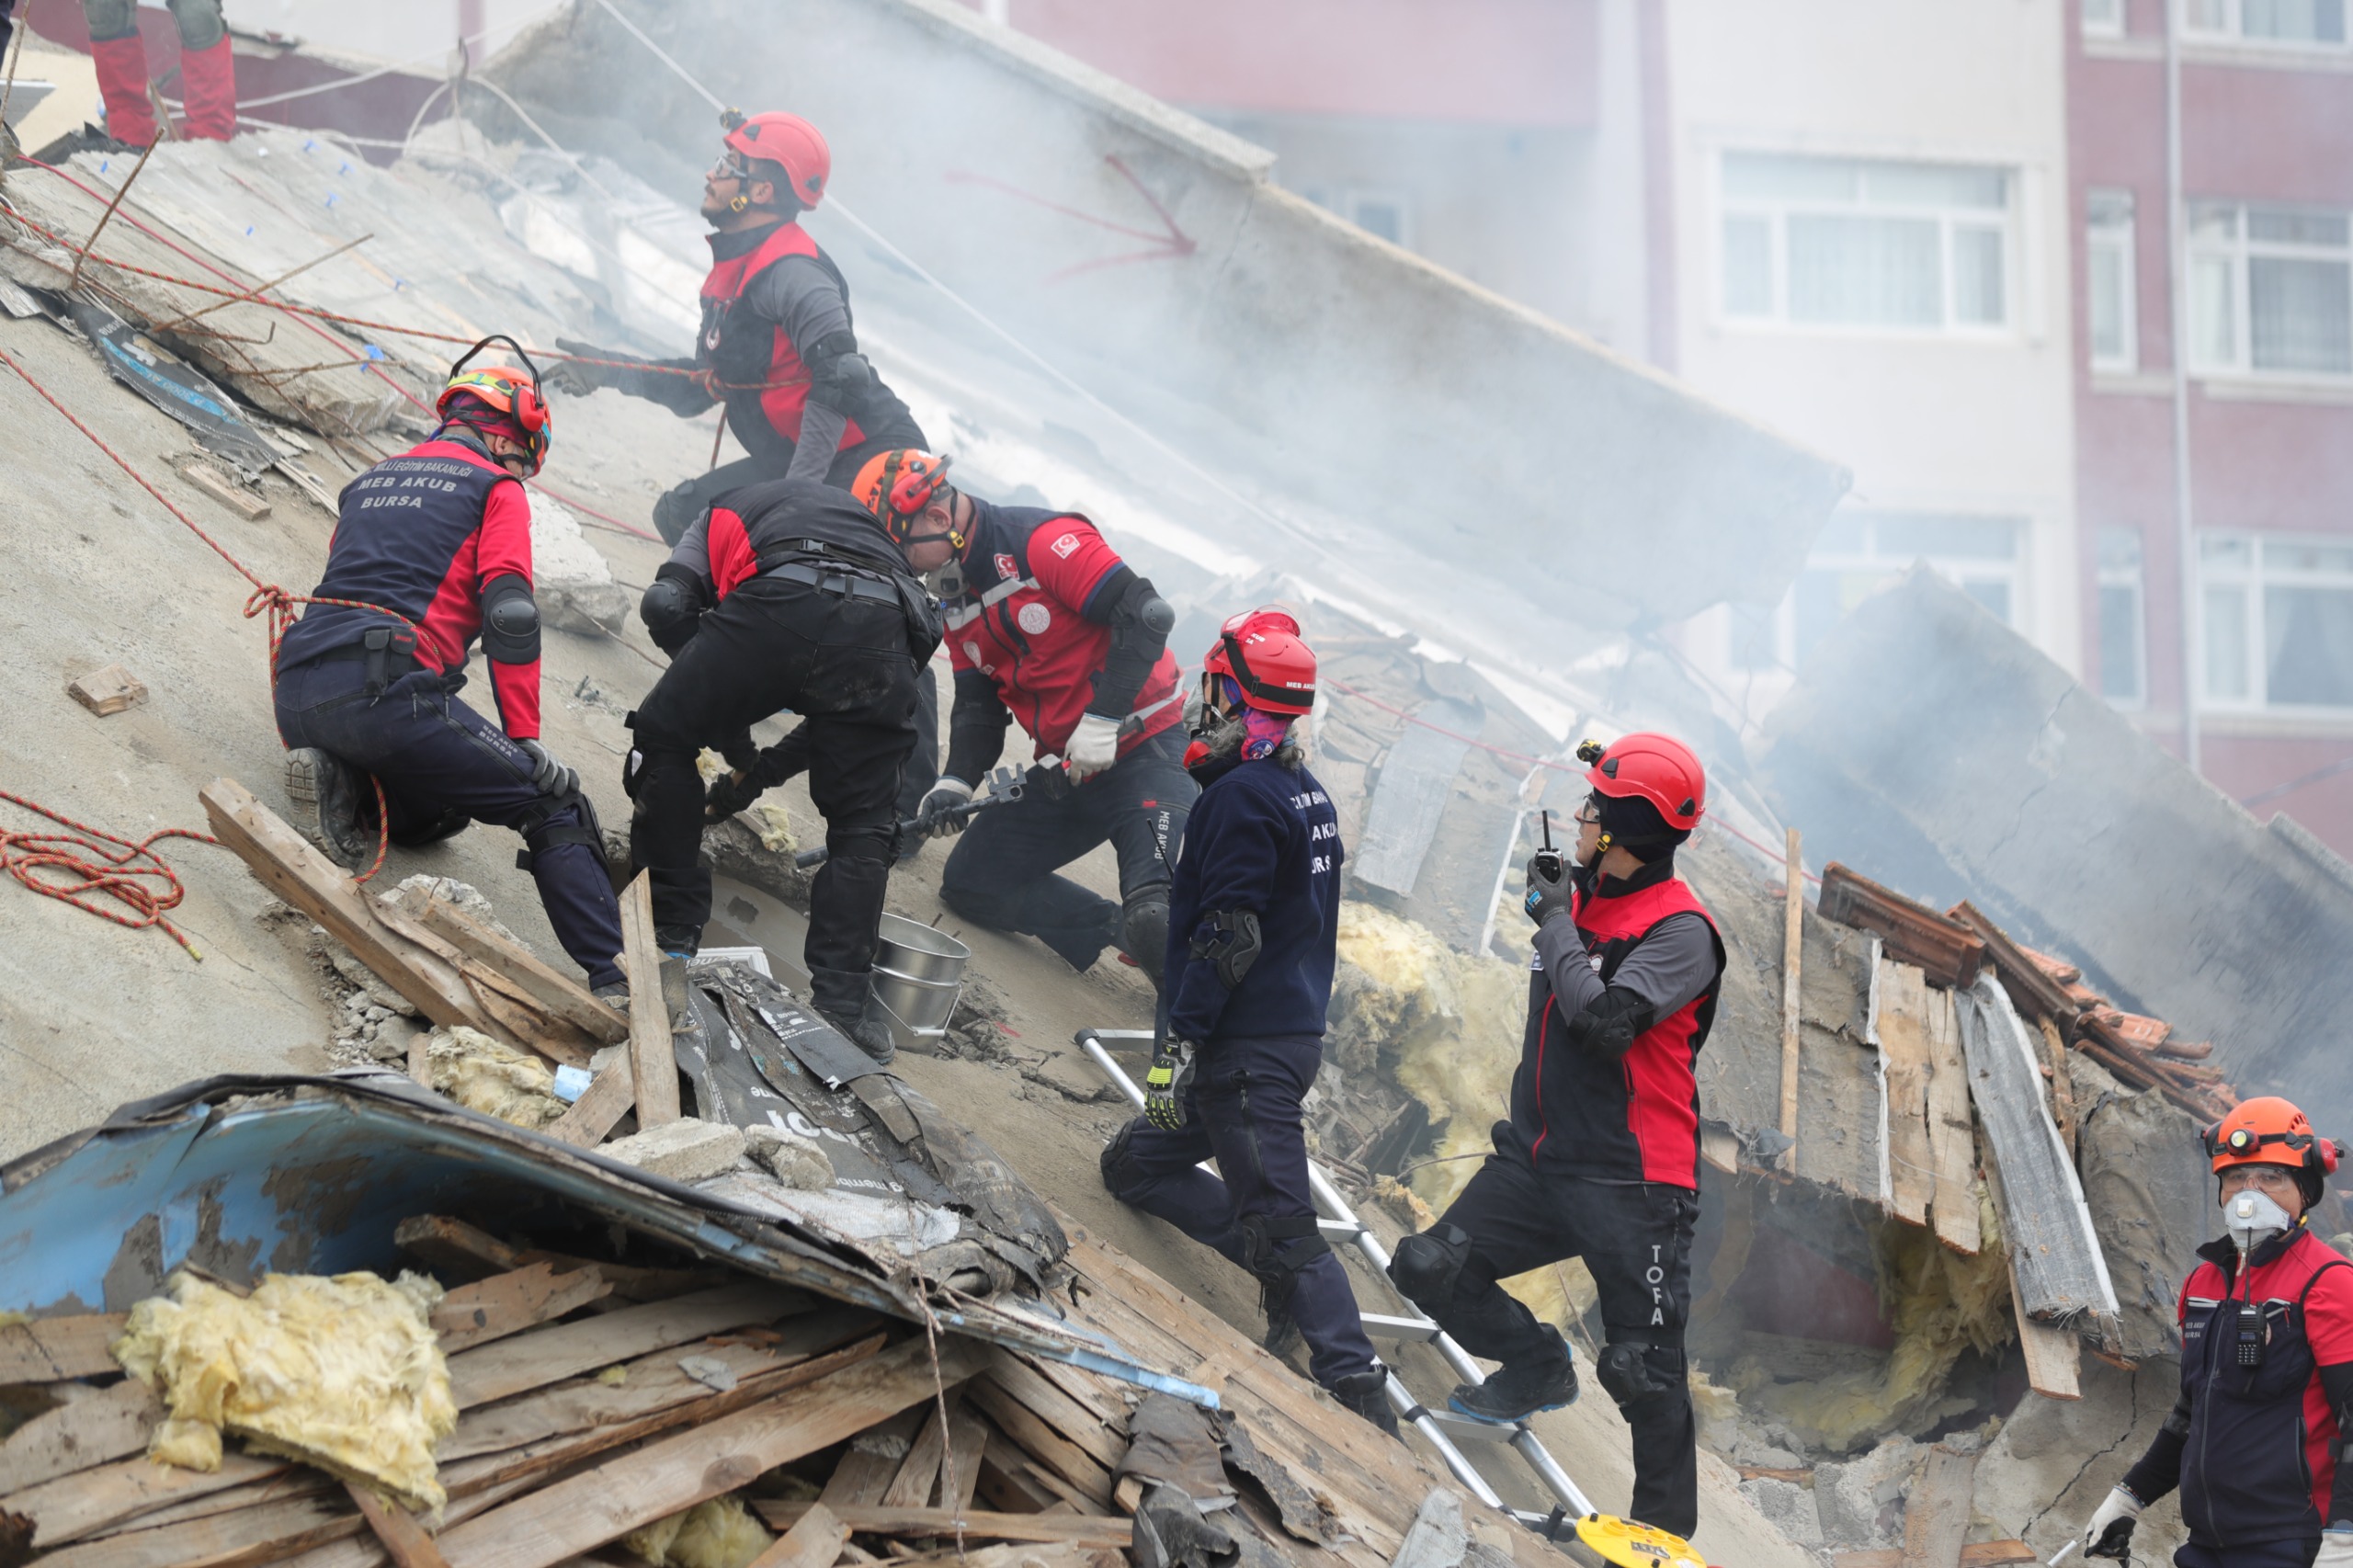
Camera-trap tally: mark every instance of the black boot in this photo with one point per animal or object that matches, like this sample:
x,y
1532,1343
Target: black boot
x,y
1516,1392
448,824
864,1030
325,795
1367,1393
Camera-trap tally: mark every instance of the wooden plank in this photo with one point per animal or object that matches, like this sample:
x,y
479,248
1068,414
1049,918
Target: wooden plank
x,y
48,1351
2053,1355
593,1115
86,1501
918,1477
284,862
510,1303
1903,1039
602,1503
960,1467
533,1360
243,502
650,1383
262,1534
520,1017
1936,1515
864,1473
812,1540
108,691
558,993
1041,1442
1097,1393
106,1425
1072,1529
404,1539
654,1066
2063,1084
448,1245
1010,1485
1058,1410
1792,950
1952,1141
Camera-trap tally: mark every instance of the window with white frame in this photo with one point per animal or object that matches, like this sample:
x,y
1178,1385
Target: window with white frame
x,y
2123,629
1385,213
2109,303
2271,290
2278,620
1859,552
1866,242
2309,24
2103,18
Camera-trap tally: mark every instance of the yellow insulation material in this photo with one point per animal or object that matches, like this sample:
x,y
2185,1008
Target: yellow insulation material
x,y
717,1534
496,1080
1941,1305
343,1373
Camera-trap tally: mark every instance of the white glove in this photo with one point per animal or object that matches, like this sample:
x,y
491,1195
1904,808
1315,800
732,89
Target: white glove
x,y
1094,746
2335,1549
2110,1532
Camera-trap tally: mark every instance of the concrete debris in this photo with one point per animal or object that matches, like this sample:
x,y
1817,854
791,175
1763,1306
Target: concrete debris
x,y
1859,1502
797,1162
689,1149
1788,1507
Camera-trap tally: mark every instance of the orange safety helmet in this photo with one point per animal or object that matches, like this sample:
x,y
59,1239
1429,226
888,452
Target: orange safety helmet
x,y
787,140
513,393
1658,768
2269,1130
897,485
1261,650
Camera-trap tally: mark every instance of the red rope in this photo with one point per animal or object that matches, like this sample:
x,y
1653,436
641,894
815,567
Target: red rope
x,y
266,597
94,864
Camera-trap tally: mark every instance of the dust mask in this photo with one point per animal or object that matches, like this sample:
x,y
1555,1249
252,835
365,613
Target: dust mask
x,y
2253,1217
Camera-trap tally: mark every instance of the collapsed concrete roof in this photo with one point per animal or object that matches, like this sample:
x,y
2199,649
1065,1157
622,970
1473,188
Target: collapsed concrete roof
x,y
1407,434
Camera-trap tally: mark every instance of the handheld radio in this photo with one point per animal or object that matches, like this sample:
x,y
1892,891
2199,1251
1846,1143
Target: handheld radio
x,y
1548,859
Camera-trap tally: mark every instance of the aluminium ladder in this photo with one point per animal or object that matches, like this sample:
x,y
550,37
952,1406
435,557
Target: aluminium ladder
x,y
1438,1424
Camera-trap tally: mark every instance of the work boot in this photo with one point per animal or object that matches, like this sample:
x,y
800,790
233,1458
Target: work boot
x,y
1516,1393
325,794
867,1032
209,92
448,824
123,82
613,994
678,941
1367,1393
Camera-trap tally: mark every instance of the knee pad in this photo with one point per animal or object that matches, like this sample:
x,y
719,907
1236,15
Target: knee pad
x,y
1428,1265
199,22
1631,1371
110,20
1121,1175
1144,936
1269,1252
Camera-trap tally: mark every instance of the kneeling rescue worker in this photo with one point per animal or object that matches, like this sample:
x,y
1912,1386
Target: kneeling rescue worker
x,y
1600,1159
2256,1440
788,595
441,535
1047,624
1252,944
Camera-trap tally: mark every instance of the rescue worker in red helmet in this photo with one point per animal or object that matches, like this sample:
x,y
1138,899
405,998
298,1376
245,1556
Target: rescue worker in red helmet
x,y
788,595
439,538
2267,1368
1600,1157
1252,946
1046,624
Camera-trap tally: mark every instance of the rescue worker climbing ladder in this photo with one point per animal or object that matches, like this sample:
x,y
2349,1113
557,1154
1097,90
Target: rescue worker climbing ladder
x,y
441,536
1600,1157
1252,945
2255,1442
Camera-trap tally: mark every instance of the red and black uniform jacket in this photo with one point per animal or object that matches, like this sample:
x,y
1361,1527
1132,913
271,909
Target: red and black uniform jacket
x,y
801,523
434,534
1031,635
1578,1111
2253,1440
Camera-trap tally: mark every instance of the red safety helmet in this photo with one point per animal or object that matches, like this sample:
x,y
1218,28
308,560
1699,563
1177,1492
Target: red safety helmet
x,y
513,393
1262,651
2269,1130
788,140
897,485
1659,768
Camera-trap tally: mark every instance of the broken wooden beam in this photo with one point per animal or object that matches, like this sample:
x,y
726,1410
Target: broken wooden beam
x,y
561,996
510,1303
48,1351
2031,987
652,1063
1949,952
1071,1529
218,485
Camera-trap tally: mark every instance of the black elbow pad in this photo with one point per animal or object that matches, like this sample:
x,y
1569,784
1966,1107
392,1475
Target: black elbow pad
x,y
510,621
1228,938
1610,1023
672,606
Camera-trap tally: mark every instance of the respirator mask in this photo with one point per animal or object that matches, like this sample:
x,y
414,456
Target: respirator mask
x,y
2252,1217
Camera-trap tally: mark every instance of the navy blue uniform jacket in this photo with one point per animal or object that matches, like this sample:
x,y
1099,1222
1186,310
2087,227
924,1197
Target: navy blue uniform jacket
x,y
1262,837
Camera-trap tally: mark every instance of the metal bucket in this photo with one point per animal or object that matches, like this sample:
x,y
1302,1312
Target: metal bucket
x,y
918,973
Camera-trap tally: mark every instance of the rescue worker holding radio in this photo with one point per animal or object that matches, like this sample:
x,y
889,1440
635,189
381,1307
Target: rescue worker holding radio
x,y
1600,1156
2256,1440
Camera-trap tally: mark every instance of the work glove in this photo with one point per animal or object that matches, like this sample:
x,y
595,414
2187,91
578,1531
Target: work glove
x,y
574,379
1166,1084
1094,746
549,777
731,792
946,795
1547,886
2335,1547
2110,1532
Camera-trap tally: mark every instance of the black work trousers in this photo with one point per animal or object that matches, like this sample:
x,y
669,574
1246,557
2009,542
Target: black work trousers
x,y
1002,871
1635,1239
843,661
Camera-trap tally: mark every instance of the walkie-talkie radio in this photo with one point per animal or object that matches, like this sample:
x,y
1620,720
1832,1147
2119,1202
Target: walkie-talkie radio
x,y
1548,859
